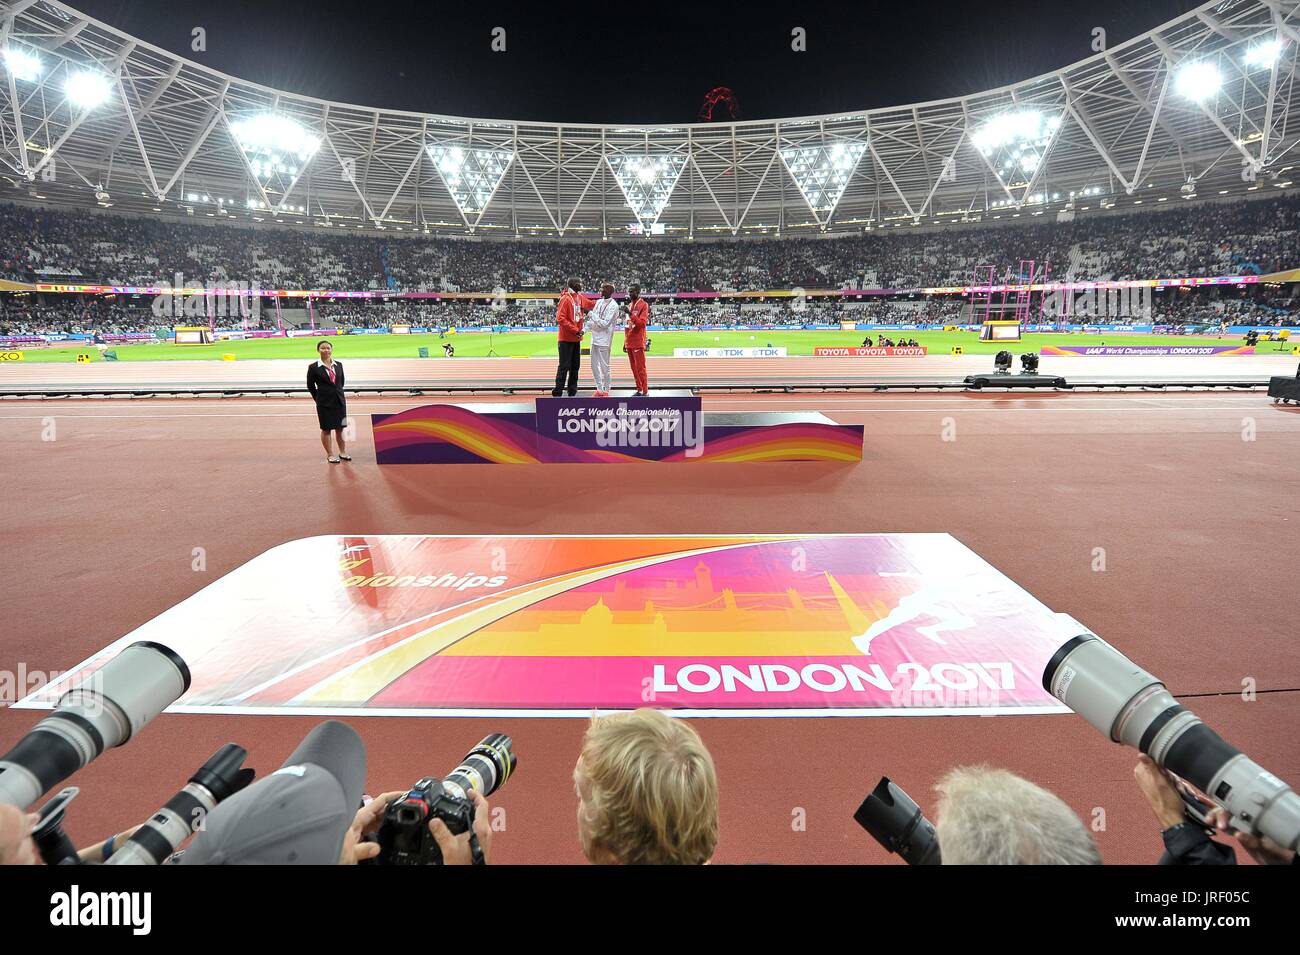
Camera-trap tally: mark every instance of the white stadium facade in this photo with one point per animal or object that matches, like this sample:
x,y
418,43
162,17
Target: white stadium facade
x,y
1198,108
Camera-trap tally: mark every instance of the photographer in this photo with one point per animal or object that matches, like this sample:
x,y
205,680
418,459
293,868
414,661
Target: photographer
x,y
1261,848
16,847
302,814
993,817
356,848
455,849
101,852
1186,841
647,792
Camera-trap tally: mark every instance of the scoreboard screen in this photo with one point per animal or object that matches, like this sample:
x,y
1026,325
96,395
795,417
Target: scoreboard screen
x,y
1000,331
192,336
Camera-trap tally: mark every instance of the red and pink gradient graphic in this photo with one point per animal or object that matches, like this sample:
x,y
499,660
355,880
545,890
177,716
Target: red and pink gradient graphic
x,y
553,626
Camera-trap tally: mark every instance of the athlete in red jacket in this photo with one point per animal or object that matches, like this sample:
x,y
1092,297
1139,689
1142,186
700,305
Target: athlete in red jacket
x,y
568,316
638,316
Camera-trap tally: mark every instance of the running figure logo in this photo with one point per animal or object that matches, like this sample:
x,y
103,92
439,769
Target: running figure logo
x,y
941,599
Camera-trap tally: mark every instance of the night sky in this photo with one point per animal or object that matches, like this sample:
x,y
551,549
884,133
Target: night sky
x,y
633,62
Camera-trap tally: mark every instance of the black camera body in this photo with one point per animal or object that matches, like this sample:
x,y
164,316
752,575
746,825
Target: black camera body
x,y
404,837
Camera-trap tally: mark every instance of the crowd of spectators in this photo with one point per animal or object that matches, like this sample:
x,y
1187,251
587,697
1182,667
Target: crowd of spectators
x,y
1191,239
76,314
1209,238
44,314
95,248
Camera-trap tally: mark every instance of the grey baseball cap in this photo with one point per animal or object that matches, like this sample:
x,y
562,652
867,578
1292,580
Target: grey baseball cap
x,y
298,815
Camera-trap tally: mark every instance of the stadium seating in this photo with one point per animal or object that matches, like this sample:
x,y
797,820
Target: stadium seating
x,y
1203,238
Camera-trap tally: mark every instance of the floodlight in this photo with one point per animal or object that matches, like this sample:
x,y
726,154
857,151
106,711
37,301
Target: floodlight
x,y
1264,53
22,65
270,136
1015,128
646,182
1198,80
87,89
823,172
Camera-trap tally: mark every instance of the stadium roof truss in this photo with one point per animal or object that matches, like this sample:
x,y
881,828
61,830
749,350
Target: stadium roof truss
x,y
1202,101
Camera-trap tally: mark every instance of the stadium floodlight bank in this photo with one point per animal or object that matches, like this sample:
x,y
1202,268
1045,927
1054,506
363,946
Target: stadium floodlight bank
x,y
1198,106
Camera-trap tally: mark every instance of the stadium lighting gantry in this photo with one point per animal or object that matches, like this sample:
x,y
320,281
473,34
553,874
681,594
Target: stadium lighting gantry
x,y
471,175
22,65
1024,131
646,181
822,173
176,125
87,89
1264,53
1198,80
1015,142
274,144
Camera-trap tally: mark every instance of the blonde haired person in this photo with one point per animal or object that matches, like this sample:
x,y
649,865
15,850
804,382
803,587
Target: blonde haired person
x,y
647,792
993,817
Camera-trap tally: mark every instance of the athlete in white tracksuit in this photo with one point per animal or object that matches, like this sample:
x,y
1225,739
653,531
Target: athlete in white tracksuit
x,y
601,322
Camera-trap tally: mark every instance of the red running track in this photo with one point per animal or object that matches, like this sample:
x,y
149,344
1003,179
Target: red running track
x,y
664,372
1197,524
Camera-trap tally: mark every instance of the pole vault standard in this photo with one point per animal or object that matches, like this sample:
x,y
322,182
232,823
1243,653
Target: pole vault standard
x,y
981,296
1004,318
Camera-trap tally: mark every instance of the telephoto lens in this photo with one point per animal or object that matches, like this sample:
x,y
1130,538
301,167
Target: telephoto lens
x,y
485,767
104,711
895,821
1130,706
219,778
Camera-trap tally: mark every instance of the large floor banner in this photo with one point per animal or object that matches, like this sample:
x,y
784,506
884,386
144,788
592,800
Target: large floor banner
x,y
883,624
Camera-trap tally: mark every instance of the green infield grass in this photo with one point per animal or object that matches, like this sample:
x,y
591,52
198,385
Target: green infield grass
x,y
542,344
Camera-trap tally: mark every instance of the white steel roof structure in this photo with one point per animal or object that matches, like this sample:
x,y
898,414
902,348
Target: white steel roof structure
x,y
90,114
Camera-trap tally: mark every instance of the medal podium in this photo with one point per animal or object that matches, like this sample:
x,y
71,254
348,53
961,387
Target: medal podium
x,y
666,427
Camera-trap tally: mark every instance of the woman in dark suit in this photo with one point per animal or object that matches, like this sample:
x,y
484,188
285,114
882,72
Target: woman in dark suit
x,y
325,382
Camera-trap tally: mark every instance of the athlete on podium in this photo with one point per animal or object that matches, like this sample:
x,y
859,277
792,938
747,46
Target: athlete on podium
x,y
634,340
568,316
601,322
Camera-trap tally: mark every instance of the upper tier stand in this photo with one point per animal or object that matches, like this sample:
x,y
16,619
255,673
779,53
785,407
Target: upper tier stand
x,y
666,427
